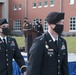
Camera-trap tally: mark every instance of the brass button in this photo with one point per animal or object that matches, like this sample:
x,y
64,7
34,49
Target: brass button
x,y
58,60
6,54
7,59
7,64
58,54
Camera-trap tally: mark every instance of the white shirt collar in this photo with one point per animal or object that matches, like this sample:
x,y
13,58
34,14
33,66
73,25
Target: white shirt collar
x,y
3,38
52,37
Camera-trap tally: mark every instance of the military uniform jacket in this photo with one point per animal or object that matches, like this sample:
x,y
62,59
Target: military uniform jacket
x,y
7,54
39,29
27,25
46,59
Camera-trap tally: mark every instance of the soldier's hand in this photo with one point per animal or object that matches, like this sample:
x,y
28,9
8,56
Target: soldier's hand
x,y
24,73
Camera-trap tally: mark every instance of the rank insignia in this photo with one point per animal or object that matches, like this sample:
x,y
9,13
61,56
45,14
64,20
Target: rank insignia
x,y
63,47
50,49
12,43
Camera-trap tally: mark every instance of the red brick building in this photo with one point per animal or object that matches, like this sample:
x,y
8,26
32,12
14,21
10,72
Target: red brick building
x,y
38,9
4,9
17,12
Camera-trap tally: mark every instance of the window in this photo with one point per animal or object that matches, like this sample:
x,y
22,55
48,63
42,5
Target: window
x,y
45,26
71,2
40,20
52,3
15,7
19,7
73,24
17,25
34,5
39,4
45,4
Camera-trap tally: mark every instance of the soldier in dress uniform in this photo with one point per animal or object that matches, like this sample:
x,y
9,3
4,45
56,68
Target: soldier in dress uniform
x,y
39,28
8,51
26,24
34,26
48,53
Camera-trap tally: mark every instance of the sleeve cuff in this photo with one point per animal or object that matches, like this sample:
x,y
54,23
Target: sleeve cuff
x,y
23,68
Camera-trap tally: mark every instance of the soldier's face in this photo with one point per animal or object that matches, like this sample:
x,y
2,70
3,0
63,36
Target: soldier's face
x,y
61,22
25,20
4,26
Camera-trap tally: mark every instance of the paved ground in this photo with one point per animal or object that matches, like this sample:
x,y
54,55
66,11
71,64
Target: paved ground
x,y
71,57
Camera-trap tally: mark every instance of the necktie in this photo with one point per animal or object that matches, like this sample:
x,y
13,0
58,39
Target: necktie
x,y
4,41
56,43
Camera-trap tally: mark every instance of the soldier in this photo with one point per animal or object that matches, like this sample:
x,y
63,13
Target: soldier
x,y
39,28
26,24
34,26
48,57
8,51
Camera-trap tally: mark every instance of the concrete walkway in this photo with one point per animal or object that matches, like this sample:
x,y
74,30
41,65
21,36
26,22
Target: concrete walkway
x,y
71,57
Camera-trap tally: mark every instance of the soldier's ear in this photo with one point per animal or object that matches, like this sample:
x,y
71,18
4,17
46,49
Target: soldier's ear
x,y
0,30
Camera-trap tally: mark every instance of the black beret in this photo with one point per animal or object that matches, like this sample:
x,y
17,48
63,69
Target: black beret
x,y
3,21
54,17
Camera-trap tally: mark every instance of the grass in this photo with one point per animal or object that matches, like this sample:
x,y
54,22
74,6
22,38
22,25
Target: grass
x,y
20,41
71,43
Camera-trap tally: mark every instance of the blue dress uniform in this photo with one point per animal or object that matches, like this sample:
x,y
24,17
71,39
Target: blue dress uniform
x,y
46,59
7,53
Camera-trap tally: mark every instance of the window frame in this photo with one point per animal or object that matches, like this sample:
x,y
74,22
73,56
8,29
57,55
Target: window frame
x,y
17,25
51,3
19,7
39,6
45,25
14,7
45,5
71,2
71,24
33,5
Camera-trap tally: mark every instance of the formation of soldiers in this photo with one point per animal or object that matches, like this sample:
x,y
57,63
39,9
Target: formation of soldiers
x,y
37,26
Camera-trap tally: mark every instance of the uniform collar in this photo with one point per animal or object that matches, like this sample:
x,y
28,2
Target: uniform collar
x,y
3,38
53,37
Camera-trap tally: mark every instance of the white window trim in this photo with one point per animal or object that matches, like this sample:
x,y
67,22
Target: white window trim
x,y
34,7
39,6
15,9
16,25
45,5
19,8
69,26
51,5
44,26
71,3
